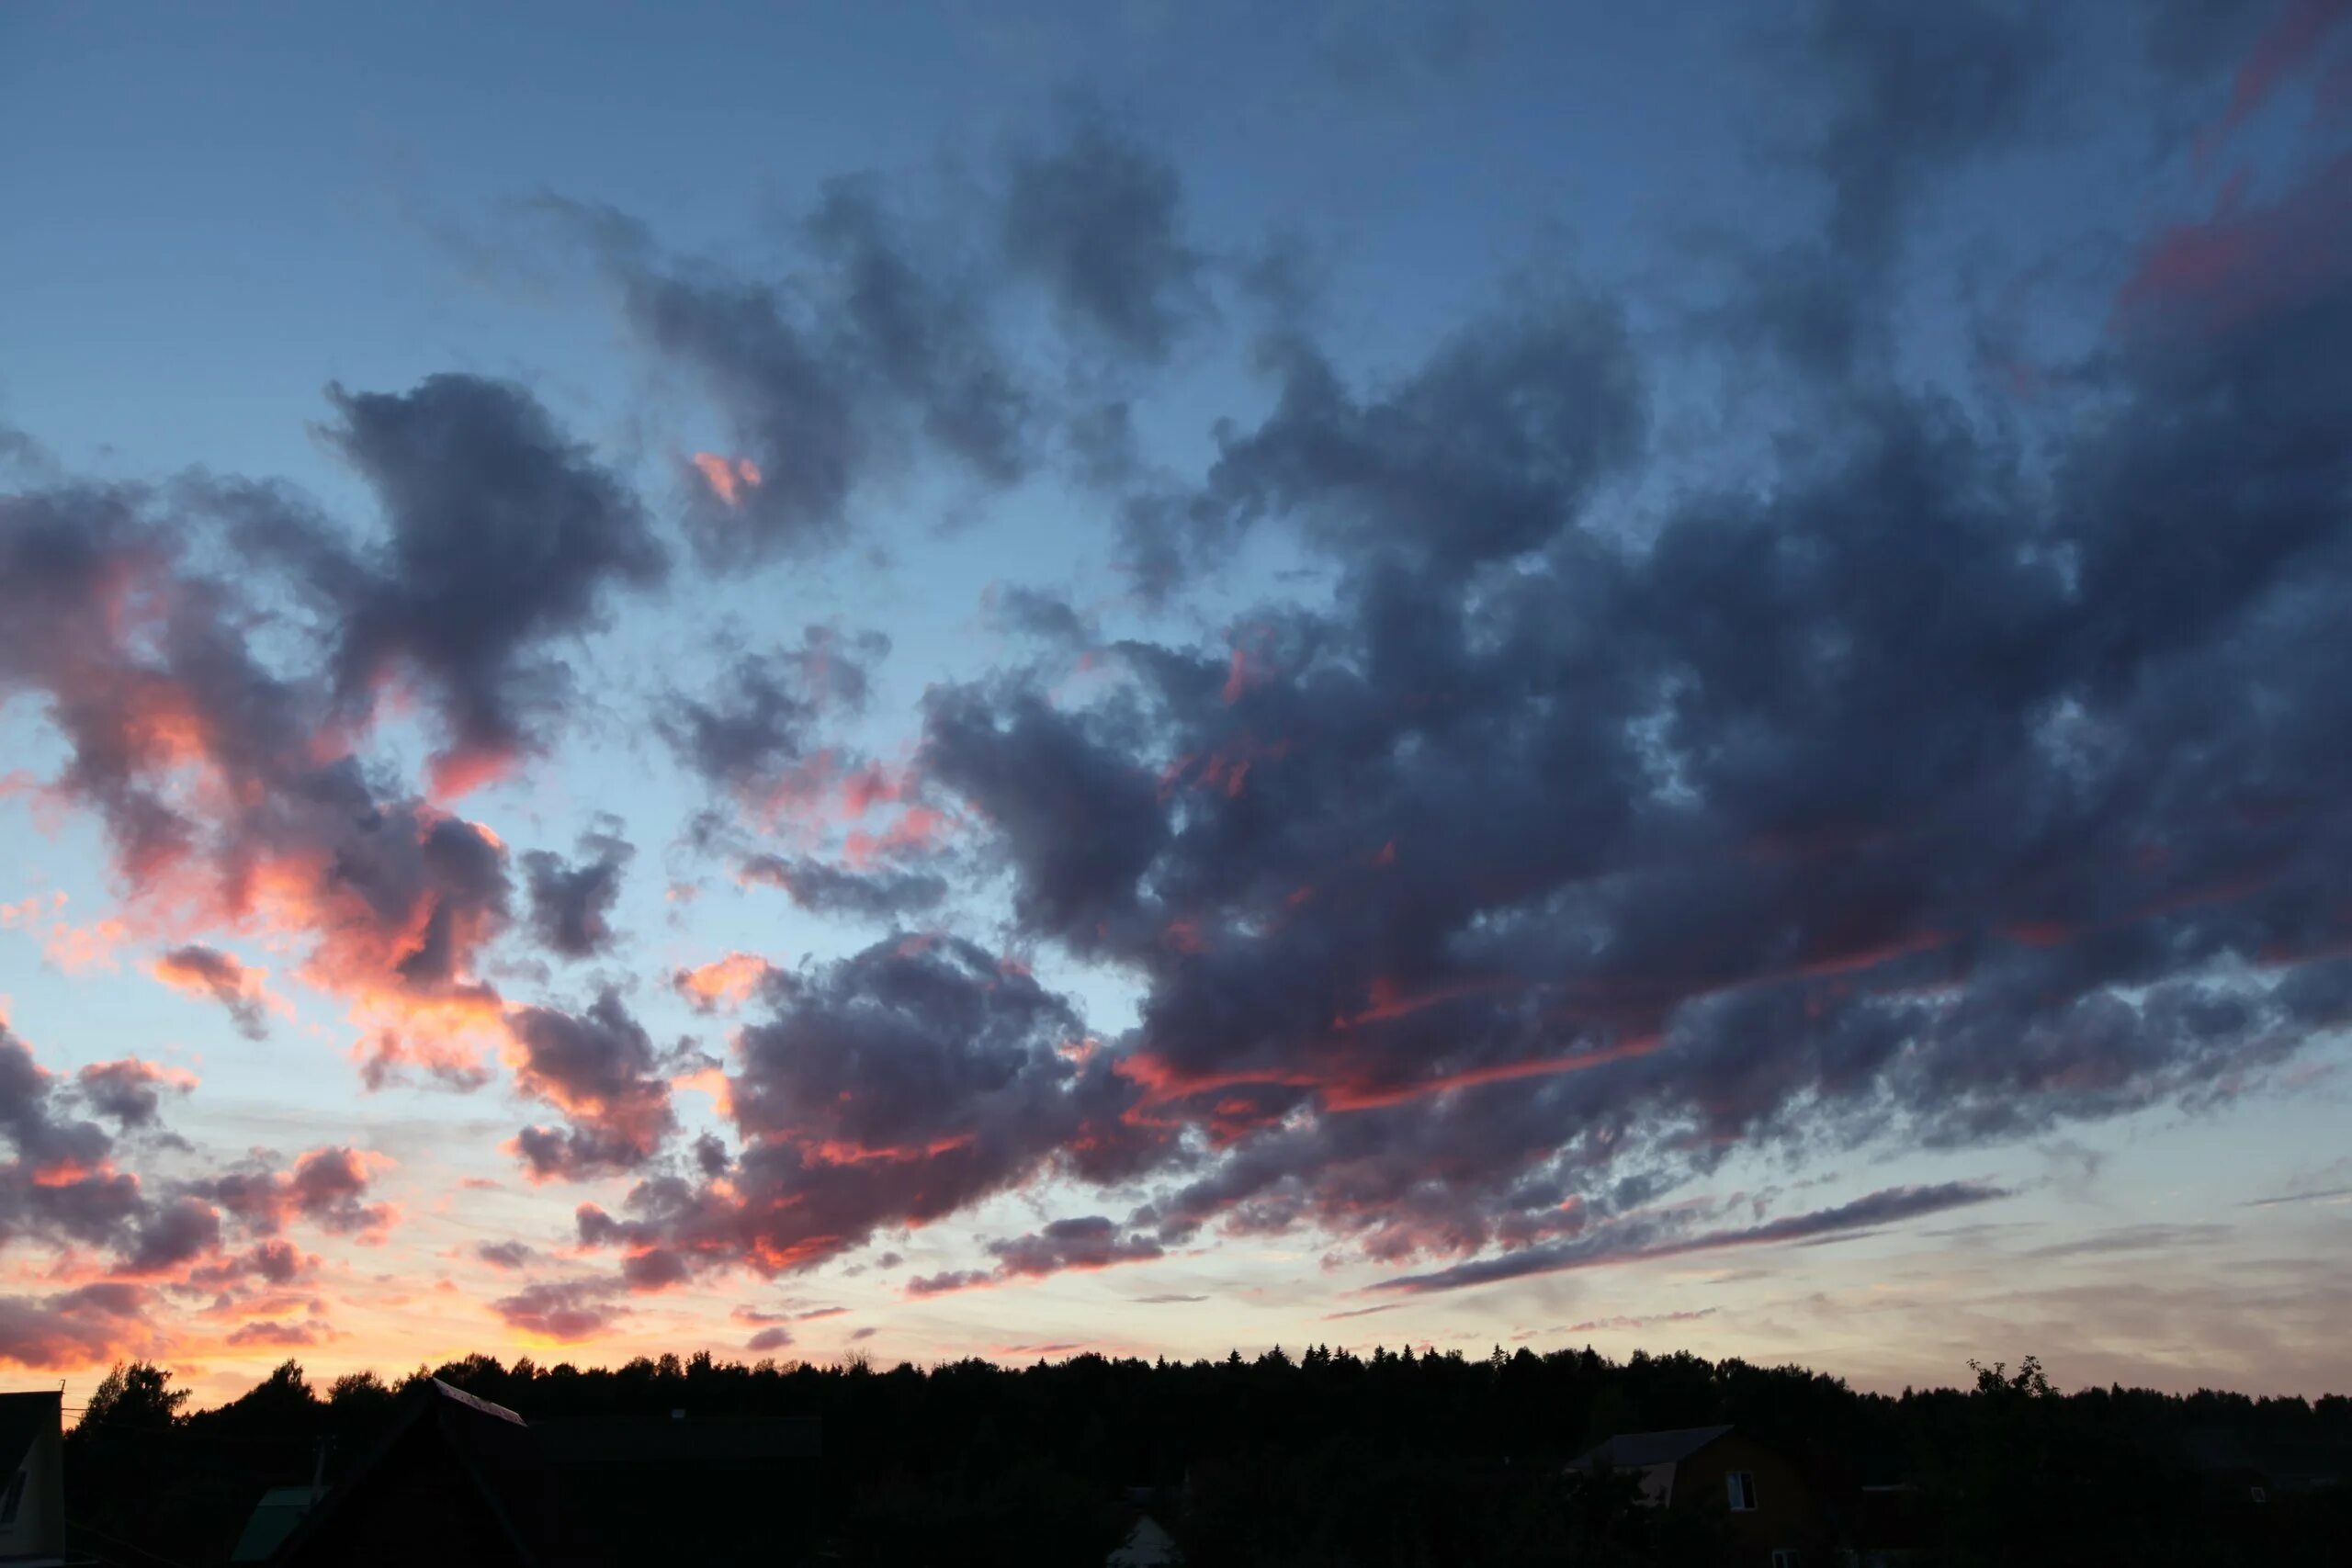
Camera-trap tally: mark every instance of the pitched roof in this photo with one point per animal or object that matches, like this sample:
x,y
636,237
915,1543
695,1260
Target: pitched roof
x,y
1638,1451
273,1519
1147,1546
495,1450
23,1419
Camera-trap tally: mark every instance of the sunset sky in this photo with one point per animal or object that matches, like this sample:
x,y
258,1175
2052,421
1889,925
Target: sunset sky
x,y
1002,679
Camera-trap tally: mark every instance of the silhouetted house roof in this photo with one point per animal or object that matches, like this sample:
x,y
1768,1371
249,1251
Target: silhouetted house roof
x,y
1147,1546
457,1481
1638,1451
23,1419
2260,1459
1650,1456
273,1519
32,1477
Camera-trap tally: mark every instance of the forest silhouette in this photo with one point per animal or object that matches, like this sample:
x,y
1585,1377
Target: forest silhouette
x,y
1326,1458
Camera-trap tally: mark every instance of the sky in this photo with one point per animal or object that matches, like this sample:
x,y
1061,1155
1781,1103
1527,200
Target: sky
x,y
1005,680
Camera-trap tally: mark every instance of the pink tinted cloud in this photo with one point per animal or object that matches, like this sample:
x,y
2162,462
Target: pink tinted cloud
x,y
2246,260
2290,44
723,983
728,479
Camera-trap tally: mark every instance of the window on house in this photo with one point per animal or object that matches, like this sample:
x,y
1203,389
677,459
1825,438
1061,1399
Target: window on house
x,y
2259,1494
1741,1484
13,1500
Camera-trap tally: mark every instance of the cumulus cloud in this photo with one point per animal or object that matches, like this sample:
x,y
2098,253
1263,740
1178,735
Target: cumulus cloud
x,y
890,1087
40,1334
501,534
1952,776
1090,1243
1900,102
564,1311
850,369
1485,451
326,1187
1098,220
884,896
571,902
209,972
131,1092
273,1261
230,794
756,732
602,1069
60,1187
505,1254
1901,794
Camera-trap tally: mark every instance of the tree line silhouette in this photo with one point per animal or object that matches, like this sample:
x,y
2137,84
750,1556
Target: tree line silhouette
x,y
1325,1459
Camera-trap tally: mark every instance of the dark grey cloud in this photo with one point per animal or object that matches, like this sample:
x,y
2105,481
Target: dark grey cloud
x,y
768,1340
58,1185
571,902
1490,447
146,665
1030,611
2324,1195
20,450
1081,818
922,337
1092,1242
602,1070
884,896
1099,221
1383,54
1912,790
892,1088
1485,451
39,1333
1929,781
948,1281
220,975
501,534
1912,94
505,1254
2200,39
106,1298
564,1311
272,1261
1902,100
173,1235
757,728
276,1334
1638,1237
1624,1321
865,350
129,1092
1089,1243
326,1187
